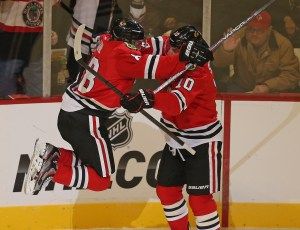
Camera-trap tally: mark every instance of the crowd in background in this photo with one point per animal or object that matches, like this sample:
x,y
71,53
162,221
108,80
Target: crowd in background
x,y
21,26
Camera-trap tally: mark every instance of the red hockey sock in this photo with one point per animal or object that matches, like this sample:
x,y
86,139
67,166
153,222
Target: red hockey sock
x,y
83,177
205,210
96,182
68,158
174,205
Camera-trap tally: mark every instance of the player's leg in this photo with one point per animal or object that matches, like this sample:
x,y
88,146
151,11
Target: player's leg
x,y
171,179
67,168
203,179
88,137
72,173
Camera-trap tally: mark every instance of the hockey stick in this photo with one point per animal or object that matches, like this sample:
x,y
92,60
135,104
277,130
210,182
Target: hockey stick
x,y
217,44
78,58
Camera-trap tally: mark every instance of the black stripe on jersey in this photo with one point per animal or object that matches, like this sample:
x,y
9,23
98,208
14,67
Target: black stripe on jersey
x,y
76,177
208,227
193,131
157,45
83,177
151,64
89,104
182,104
78,23
210,219
210,135
74,98
76,160
186,134
202,136
82,41
175,208
167,216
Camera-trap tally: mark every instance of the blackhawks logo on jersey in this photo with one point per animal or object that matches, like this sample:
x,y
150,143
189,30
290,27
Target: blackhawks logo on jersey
x,y
33,14
131,46
119,129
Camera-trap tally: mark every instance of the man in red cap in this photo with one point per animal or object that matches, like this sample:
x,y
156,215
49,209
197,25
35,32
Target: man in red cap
x,y
263,60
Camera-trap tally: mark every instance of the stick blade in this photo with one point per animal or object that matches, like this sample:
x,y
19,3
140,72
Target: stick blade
x,y
77,42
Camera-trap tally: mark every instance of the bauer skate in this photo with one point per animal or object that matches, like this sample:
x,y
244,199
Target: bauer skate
x,y
42,167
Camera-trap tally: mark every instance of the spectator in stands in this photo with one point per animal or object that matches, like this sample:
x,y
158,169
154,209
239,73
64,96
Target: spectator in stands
x,y
292,31
97,16
263,60
291,23
20,23
33,73
286,19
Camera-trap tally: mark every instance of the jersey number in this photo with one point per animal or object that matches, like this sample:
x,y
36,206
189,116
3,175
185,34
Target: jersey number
x,y
187,84
88,79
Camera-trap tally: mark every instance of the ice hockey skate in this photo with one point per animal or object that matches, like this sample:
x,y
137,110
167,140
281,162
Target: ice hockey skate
x,y
42,167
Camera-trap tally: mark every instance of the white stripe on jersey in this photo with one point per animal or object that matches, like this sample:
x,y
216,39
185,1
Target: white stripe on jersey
x,y
86,181
86,34
75,162
210,221
200,129
207,216
85,45
151,66
70,104
161,42
176,211
195,136
102,106
154,46
80,176
181,99
155,67
157,45
86,103
147,66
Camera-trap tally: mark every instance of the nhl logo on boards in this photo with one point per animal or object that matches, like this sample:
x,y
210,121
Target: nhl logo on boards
x,y
33,14
119,129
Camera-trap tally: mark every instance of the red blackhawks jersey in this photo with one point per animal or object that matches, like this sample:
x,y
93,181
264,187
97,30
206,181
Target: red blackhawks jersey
x,y
120,63
188,105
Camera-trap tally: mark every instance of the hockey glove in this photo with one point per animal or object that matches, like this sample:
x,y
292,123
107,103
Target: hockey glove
x,y
135,102
94,43
195,53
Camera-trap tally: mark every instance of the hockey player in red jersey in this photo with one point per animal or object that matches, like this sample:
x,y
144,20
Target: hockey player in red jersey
x,y
189,111
86,106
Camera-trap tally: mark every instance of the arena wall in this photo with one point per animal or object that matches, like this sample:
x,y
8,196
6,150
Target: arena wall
x,y
260,184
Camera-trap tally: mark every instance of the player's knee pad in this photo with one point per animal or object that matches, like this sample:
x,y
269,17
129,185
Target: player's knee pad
x,y
169,195
202,204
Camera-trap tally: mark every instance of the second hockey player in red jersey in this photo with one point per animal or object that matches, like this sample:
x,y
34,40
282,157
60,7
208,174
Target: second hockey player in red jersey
x,y
189,111
87,104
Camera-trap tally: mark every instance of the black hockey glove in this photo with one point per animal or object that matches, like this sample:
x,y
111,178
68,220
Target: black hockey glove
x,y
135,102
195,53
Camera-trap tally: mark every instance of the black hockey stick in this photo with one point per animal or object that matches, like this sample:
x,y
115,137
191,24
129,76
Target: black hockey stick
x,y
78,58
217,44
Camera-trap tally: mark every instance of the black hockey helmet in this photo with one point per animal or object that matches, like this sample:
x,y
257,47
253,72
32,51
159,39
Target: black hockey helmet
x,y
128,30
184,34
